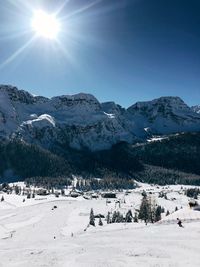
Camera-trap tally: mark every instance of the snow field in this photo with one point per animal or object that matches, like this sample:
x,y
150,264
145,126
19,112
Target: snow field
x,y
34,233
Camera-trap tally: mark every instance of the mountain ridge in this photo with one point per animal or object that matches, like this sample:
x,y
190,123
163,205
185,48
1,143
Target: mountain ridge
x,y
82,122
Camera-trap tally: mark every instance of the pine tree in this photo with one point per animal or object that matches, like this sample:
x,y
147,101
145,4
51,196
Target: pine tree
x,y
144,194
167,213
158,214
17,190
162,210
135,219
2,198
129,216
144,212
100,222
114,217
92,219
176,208
108,219
152,209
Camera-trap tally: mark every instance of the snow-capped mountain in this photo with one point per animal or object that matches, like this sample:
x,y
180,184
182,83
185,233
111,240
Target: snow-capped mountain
x,y
196,109
81,121
77,120
164,115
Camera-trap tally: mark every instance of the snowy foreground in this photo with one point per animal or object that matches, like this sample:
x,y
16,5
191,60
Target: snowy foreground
x,y
33,234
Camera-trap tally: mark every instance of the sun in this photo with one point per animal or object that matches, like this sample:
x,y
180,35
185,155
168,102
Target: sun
x,y
45,25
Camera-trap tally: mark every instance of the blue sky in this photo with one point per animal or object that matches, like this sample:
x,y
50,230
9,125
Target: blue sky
x,y
120,50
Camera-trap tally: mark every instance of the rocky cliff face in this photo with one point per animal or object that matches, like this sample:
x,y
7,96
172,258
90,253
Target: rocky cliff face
x,y
77,120
196,109
165,115
80,121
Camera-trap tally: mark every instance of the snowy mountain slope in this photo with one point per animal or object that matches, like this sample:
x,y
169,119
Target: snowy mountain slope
x,y
196,109
164,115
78,119
81,121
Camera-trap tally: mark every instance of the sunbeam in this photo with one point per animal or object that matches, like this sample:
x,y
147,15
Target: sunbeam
x,y
17,53
81,10
61,7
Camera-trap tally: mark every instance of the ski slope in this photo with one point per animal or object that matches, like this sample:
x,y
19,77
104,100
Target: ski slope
x,y
33,233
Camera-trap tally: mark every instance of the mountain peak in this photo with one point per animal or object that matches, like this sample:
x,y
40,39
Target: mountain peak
x,y
161,104
79,96
196,109
80,120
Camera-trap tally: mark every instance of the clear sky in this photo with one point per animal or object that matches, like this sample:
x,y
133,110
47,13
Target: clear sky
x,y
120,50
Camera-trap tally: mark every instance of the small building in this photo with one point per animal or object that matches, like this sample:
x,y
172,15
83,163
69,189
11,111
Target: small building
x,y
42,192
94,196
74,194
99,216
108,195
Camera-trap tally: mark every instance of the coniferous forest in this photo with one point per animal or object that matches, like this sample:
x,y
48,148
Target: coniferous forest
x,y
170,161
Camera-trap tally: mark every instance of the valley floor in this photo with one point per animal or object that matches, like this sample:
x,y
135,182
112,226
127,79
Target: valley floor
x,y
32,234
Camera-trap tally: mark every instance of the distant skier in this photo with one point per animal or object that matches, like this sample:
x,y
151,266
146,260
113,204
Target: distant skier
x,y
179,222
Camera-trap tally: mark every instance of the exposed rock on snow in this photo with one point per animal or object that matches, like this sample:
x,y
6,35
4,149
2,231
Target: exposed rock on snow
x,y
196,109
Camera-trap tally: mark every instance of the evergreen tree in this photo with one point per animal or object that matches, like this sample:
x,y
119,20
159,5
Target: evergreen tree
x,y
158,214
152,209
167,213
119,217
108,219
135,219
114,217
144,194
92,219
100,221
17,191
144,212
129,216
162,210
2,198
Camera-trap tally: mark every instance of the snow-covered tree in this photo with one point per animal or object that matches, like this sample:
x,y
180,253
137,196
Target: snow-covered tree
x,y
92,219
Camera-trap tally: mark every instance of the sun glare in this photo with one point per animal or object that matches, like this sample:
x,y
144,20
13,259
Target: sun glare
x,y
45,25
